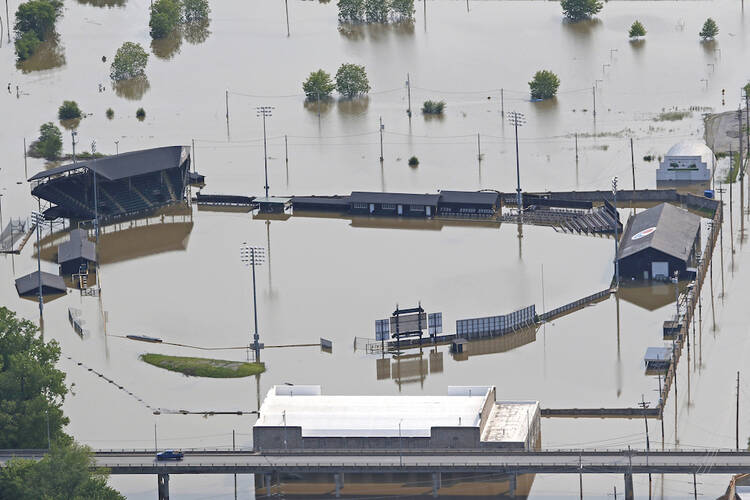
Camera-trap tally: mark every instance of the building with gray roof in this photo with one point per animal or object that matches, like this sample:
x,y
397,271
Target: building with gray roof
x,y
659,241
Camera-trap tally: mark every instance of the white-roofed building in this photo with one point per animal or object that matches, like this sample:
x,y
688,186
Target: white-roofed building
x,y
294,417
690,161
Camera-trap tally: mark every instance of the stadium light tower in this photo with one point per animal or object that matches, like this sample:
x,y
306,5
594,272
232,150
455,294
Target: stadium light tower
x,y
265,111
38,219
617,262
252,256
517,120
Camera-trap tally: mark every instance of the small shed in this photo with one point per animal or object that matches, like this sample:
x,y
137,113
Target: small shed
x,y
52,284
273,204
76,252
657,358
394,204
469,203
659,241
690,161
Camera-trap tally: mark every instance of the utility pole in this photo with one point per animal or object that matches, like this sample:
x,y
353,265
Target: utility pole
x,y
643,404
576,148
617,263
25,167
517,120
264,111
580,476
226,100
632,161
593,93
38,219
739,118
408,94
695,488
7,19
737,417
381,138
156,448
502,103
286,6
479,148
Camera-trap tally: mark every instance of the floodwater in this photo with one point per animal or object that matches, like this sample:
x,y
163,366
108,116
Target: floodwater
x,y
332,278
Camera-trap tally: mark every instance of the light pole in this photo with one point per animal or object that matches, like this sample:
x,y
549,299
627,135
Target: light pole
x,y
517,120
265,111
117,146
617,262
252,256
38,219
73,136
400,450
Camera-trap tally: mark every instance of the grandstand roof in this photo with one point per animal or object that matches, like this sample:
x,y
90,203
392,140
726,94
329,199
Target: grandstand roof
x,y
124,165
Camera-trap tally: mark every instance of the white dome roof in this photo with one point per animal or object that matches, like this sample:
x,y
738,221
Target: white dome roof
x,y
692,148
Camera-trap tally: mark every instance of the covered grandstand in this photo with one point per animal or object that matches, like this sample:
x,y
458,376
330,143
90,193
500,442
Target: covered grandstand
x,y
125,184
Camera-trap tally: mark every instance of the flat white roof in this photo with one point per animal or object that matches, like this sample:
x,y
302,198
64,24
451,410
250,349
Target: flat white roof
x,y
370,416
509,421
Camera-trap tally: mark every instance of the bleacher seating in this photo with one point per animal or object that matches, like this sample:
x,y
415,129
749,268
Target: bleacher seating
x,y
129,195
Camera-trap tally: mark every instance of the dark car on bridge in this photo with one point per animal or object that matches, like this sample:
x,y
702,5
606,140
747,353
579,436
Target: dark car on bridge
x,y
170,455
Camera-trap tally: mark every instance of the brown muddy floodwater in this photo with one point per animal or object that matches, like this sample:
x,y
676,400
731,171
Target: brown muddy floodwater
x,y
332,278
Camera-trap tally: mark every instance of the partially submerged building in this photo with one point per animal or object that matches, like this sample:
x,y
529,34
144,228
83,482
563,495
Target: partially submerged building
x,y
129,183
659,241
52,284
76,253
394,204
687,161
301,417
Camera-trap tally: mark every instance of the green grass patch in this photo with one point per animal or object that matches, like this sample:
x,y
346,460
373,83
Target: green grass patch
x,y
735,168
672,116
204,367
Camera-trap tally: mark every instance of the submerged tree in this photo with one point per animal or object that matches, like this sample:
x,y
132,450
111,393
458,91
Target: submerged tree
x,y
351,80
402,10
351,11
195,10
578,10
318,85
637,30
166,15
35,21
130,62
69,110
433,107
544,85
376,11
710,30
49,146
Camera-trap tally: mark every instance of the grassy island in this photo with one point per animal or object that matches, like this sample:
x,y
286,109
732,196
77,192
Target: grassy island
x,y
204,367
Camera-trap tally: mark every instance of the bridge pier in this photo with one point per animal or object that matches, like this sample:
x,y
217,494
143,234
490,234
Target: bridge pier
x,y
267,482
512,485
339,480
162,481
436,483
629,486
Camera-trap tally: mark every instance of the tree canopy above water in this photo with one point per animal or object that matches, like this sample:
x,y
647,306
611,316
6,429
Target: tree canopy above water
x,y
710,30
351,80
637,30
544,85
578,10
130,62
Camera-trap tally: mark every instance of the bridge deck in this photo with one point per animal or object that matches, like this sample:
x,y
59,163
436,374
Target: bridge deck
x,y
380,461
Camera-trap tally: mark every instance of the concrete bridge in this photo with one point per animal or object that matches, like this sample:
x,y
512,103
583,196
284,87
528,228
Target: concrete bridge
x,y
340,462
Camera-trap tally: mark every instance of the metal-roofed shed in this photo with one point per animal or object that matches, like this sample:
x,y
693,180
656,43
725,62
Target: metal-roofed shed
x,y
52,284
659,241
76,251
469,203
394,204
